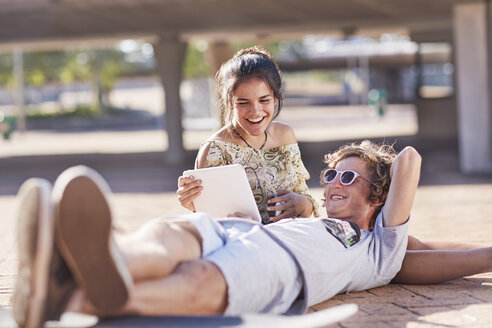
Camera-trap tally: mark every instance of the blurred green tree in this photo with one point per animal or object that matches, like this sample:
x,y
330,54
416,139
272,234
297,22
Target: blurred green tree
x,y
195,65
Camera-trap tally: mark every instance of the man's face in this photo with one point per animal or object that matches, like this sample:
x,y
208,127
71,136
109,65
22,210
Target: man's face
x,y
350,202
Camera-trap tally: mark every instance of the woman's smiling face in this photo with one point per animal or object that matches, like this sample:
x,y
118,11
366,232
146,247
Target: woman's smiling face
x,y
253,106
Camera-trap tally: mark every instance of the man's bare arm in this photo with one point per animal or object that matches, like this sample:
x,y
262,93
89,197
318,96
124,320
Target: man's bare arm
x,y
405,174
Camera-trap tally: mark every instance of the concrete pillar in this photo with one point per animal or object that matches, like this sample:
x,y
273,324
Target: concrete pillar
x,y
473,55
218,52
169,52
437,117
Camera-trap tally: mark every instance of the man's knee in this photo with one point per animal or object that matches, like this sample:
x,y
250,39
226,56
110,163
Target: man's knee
x,y
161,227
206,285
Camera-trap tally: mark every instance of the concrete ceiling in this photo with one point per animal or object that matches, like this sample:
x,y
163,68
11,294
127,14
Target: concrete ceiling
x,y
24,22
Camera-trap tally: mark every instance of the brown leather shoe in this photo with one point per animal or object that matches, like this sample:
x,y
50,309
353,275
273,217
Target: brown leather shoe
x,y
44,283
83,235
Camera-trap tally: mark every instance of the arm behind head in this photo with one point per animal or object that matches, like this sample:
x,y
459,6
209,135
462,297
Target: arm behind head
x,y
405,174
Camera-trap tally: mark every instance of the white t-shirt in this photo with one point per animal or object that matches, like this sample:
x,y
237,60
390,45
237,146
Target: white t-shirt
x,y
331,266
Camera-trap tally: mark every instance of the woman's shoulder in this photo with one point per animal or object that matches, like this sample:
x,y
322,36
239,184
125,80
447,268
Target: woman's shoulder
x,y
282,133
211,152
223,135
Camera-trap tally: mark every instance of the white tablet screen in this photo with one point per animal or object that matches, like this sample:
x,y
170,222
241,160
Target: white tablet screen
x,y
225,190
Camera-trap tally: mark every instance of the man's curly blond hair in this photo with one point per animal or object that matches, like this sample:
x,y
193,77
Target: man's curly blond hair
x,y
378,159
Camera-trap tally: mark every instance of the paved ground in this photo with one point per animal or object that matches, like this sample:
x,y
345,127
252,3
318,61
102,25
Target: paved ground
x,y
448,206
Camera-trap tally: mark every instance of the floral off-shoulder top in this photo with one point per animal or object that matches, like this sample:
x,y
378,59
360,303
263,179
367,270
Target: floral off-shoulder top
x,y
267,170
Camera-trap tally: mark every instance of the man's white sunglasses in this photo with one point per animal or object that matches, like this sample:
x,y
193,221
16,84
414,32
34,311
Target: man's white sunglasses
x,y
347,177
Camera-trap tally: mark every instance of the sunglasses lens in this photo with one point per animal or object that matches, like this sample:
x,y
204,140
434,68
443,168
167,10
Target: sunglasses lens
x,y
330,175
347,177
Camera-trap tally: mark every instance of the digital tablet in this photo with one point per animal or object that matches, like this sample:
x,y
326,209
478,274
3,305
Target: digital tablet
x,y
225,190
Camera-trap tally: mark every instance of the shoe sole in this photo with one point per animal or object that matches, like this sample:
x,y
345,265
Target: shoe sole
x,y
83,235
35,239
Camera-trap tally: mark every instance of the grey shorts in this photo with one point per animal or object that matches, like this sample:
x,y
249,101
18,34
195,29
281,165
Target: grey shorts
x,y
261,276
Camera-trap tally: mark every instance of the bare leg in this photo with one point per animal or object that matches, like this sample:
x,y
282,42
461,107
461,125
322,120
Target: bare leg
x,y
157,253
163,258
436,266
195,287
158,247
